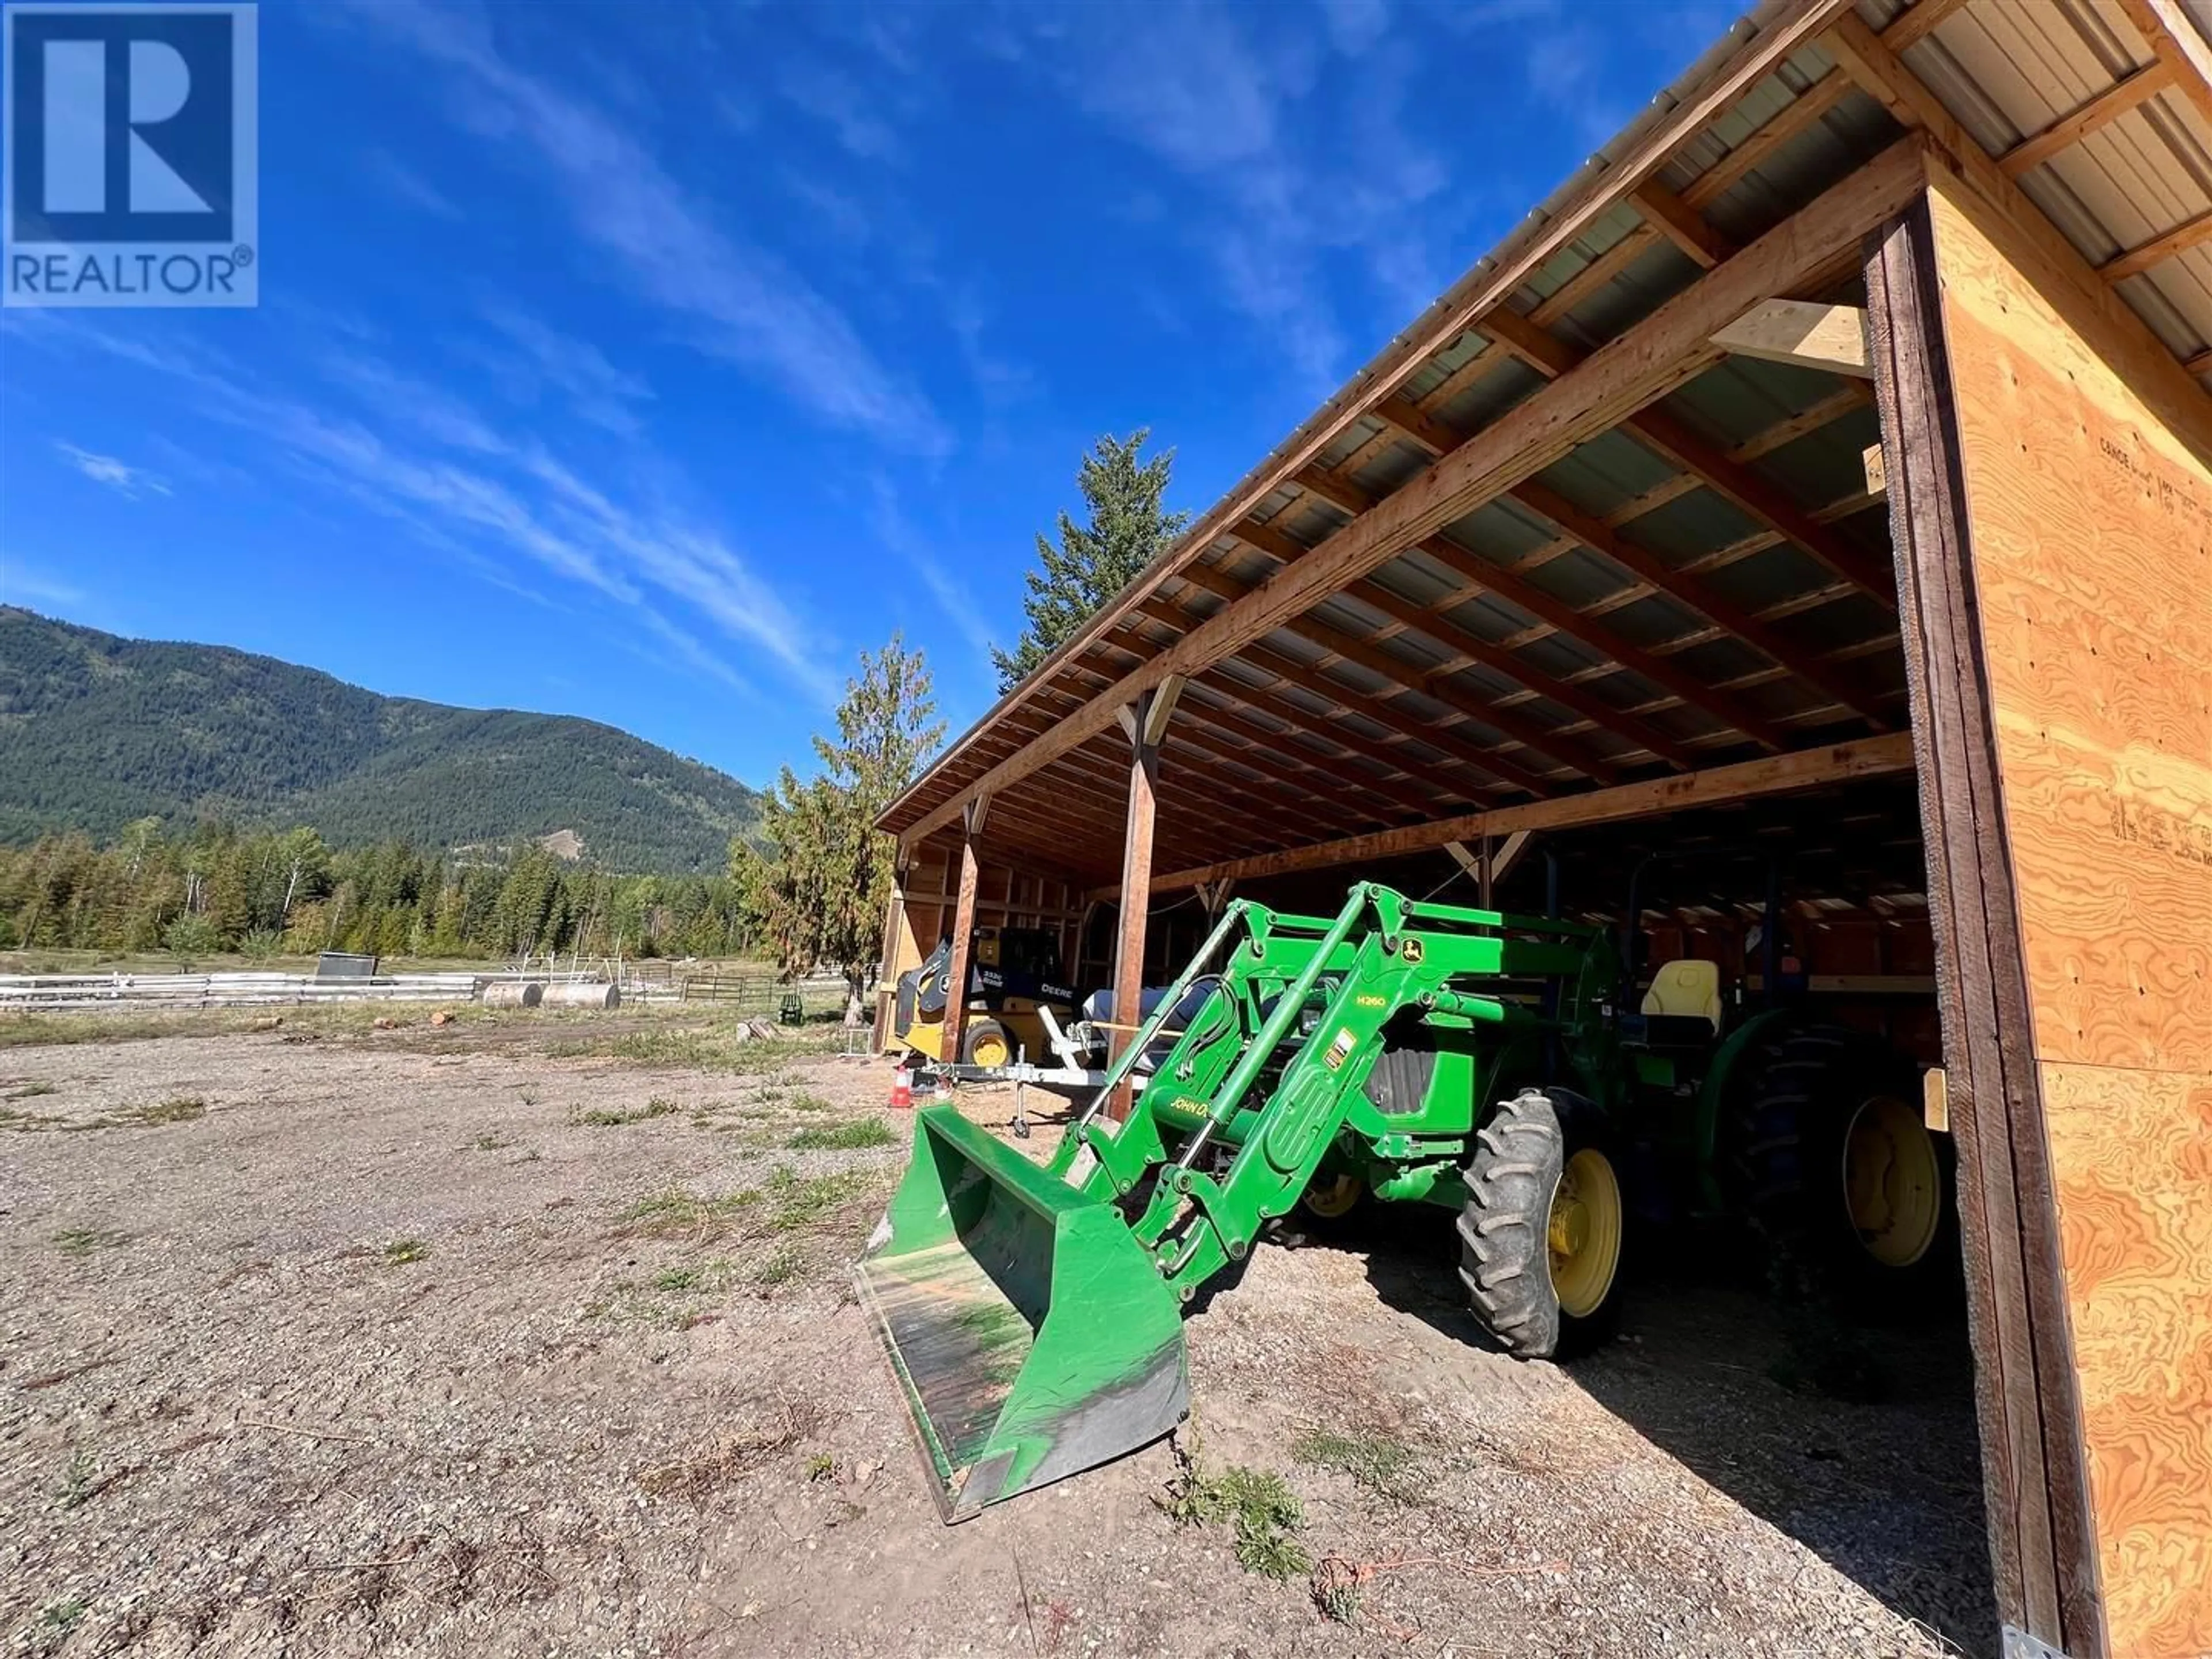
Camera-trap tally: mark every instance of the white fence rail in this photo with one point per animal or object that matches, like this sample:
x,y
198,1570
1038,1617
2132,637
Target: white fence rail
x,y
46,993
28,993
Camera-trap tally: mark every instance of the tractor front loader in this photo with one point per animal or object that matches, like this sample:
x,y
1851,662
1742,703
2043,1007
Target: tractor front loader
x,y
1033,1314
1411,1052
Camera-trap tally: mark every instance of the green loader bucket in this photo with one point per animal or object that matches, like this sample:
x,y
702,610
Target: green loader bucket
x,y
1031,1331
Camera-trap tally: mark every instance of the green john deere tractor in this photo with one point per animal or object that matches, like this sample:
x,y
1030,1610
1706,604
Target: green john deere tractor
x,y
1405,1051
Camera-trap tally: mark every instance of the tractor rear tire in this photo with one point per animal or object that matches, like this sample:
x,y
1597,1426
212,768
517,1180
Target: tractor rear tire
x,y
1837,1176
1518,1187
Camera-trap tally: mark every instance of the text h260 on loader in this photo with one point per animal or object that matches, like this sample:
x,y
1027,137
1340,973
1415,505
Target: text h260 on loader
x,y
1463,1058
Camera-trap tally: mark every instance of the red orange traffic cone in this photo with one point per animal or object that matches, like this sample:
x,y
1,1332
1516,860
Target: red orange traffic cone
x,y
902,1090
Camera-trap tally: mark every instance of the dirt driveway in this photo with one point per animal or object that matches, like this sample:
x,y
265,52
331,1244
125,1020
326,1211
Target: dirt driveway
x,y
534,1335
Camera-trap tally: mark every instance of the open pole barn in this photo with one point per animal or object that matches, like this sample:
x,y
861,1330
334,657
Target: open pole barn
x,y
1819,482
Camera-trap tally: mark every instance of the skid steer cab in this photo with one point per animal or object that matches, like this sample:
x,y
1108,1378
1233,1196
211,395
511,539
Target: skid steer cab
x,y
1013,979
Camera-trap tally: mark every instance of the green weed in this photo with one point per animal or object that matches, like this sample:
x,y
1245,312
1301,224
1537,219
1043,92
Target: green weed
x,y
492,1141
63,1616
854,1136
804,1203
821,1466
607,1117
783,1266
83,1240
1384,1466
401,1251
1257,1505
31,1092
74,1489
679,1214
177,1109
804,1103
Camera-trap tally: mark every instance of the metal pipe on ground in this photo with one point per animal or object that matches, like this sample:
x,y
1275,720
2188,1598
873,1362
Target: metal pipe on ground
x,y
513,993
583,996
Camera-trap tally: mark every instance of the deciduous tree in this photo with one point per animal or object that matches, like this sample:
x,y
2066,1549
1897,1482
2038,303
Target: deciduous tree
x,y
820,889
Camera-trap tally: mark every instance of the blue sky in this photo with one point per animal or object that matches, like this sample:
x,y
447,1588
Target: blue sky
x,y
648,362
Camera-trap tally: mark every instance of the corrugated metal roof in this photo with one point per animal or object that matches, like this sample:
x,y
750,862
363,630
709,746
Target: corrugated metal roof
x,y
1436,682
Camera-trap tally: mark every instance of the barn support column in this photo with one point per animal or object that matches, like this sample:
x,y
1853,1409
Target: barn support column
x,y
964,928
1145,722
887,967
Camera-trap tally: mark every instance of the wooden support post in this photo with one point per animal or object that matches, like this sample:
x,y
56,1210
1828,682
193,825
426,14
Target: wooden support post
x,y
2042,1560
1145,722
963,927
887,971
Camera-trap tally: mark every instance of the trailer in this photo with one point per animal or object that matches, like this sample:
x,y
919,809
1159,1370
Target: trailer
x,y
1822,477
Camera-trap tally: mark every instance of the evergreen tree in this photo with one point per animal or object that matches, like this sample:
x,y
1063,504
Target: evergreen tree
x,y
1128,528
821,891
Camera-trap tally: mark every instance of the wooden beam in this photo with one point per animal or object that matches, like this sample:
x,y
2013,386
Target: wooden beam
x,y
1792,119
1768,504
1919,23
1515,588
2041,1538
1135,890
1404,677
1773,775
1701,464
2121,334
1681,224
2176,43
1700,598
1645,362
963,938
2077,123
1802,333
2189,234
1595,275
1479,291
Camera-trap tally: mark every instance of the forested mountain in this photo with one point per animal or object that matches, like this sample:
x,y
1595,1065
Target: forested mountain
x,y
97,732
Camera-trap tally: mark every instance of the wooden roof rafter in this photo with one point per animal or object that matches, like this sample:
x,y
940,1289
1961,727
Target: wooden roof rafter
x,y
1713,87
1479,577
1496,771
1414,784
1641,365
1276,782
1552,744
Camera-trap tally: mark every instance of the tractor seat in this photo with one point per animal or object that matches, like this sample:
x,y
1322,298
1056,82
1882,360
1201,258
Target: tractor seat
x,y
1682,1007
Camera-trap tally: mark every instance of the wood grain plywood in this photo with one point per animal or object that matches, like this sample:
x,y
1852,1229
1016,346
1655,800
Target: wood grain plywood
x,y
2089,517
2134,1156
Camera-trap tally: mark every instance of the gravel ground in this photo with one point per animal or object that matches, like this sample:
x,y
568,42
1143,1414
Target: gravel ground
x,y
436,1341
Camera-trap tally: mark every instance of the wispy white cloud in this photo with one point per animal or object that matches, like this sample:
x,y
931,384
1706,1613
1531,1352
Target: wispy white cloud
x,y
24,584
535,363
403,184
737,301
853,112
133,482
1298,178
455,479
929,564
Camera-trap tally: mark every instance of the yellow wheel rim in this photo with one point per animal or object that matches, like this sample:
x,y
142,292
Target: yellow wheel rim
x,y
1330,1199
990,1049
1584,1233
1892,1184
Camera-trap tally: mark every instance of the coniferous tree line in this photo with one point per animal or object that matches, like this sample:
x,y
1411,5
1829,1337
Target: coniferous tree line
x,y
215,887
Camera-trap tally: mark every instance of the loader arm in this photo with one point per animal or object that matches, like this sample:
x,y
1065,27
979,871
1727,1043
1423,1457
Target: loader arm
x,y
1033,1312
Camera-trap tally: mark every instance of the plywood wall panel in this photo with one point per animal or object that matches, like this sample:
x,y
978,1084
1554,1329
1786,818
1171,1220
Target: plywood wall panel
x,y
2089,523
